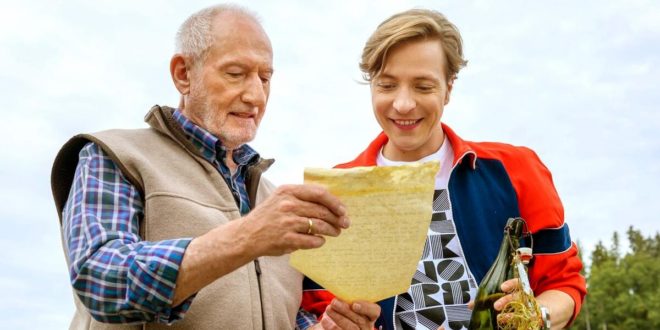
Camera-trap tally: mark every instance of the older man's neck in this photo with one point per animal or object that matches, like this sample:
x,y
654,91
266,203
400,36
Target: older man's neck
x,y
229,160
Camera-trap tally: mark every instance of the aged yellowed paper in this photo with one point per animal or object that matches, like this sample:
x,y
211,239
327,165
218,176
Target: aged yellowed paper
x,y
390,210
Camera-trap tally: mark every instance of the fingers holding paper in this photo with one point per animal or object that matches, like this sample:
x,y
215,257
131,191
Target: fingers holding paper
x,y
315,226
358,315
294,217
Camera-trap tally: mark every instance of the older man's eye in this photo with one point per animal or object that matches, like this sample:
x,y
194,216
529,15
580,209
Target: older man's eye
x,y
425,88
235,74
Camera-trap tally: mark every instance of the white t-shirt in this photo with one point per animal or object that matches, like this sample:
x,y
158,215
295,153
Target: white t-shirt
x,y
443,284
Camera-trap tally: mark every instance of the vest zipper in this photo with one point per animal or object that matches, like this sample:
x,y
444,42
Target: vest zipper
x,y
257,268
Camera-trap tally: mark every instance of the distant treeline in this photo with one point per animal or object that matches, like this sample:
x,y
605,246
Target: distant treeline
x,y
623,290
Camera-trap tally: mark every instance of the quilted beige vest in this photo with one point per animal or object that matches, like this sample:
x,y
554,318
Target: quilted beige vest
x,y
185,196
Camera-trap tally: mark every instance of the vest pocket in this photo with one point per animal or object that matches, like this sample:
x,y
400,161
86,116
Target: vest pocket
x,y
169,216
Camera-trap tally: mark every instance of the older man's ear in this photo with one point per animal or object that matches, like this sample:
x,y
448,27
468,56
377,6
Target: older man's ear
x,y
180,72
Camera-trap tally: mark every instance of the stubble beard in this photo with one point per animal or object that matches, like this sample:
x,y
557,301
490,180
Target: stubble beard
x,y
232,137
215,120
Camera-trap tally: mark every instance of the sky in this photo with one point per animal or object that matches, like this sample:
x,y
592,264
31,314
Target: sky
x,y
578,82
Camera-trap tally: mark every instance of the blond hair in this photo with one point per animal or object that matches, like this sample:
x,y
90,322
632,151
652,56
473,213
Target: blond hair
x,y
412,25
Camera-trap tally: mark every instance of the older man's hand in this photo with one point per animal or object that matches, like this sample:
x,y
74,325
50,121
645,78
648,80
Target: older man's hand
x,y
294,217
279,225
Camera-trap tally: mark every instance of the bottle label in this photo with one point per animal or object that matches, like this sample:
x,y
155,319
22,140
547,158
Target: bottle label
x,y
524,280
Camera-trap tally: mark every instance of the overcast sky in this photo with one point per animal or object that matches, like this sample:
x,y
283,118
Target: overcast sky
x,y
578,82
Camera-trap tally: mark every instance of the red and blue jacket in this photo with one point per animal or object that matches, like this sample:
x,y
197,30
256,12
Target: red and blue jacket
x,y
489,183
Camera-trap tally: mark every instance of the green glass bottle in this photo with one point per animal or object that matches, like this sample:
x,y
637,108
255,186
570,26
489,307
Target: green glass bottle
x,y
484,316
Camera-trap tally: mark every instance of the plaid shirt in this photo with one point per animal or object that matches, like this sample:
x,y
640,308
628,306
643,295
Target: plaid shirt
x,y
117,275
305,319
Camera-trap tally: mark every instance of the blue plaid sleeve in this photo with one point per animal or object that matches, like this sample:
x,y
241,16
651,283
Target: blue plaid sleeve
x,y
305,319
119,277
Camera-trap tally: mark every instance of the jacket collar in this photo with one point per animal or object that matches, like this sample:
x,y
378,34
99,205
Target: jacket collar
x,y
161,118
462,150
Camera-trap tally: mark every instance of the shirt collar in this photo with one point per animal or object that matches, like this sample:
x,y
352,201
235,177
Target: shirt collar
x,y
210,146
462,150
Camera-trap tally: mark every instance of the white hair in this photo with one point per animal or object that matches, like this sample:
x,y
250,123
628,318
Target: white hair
x,y
194,37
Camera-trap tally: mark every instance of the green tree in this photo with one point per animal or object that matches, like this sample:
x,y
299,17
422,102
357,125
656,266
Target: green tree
x,y
583,321
623,290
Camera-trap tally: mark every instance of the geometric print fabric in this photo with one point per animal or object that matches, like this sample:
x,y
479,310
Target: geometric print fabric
x,y
442,285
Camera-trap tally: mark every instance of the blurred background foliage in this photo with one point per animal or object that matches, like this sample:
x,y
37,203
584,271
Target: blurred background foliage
x,y
623,289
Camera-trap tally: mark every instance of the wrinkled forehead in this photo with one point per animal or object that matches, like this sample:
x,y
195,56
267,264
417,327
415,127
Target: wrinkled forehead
x,y
237,28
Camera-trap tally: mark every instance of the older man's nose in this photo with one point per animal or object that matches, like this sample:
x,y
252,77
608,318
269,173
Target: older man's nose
x,y
255,92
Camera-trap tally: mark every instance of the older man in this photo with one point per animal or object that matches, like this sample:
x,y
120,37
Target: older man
x,y
176,219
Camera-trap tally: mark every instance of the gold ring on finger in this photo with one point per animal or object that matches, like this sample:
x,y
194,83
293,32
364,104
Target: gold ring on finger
x,y
310,229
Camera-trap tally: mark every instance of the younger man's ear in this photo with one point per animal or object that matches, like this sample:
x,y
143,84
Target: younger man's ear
x,y
450,86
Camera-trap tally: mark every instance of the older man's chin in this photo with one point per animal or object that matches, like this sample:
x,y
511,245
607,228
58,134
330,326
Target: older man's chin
x,y
234,139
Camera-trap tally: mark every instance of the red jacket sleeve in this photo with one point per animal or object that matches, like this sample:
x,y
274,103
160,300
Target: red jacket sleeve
x,y
541,207
316,301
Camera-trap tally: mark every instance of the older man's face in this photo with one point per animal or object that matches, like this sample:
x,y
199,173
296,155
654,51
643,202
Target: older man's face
x,y
229,90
